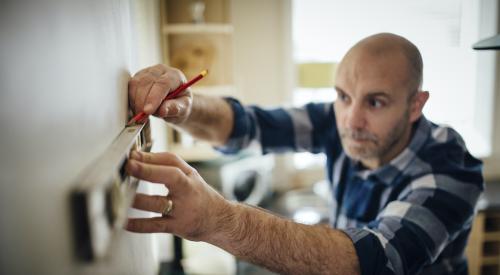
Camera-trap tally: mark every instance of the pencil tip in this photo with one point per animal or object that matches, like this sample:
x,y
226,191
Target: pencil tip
x,y
204,72
132,121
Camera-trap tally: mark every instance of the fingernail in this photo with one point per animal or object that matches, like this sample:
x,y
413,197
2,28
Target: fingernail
x,y
175,110
135,155
148,108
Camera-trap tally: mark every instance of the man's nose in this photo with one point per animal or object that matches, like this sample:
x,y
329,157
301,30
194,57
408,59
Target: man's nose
x,y
356,118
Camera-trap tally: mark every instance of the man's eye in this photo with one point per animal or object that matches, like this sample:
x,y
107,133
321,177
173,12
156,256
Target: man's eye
x,y
343,97
375,103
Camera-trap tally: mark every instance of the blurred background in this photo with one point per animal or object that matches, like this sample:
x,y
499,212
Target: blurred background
x,y
64,72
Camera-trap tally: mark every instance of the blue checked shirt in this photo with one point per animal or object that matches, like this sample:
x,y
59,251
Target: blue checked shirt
x,y
411,216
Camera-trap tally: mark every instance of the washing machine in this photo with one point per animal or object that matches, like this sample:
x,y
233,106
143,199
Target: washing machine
x,y
243,178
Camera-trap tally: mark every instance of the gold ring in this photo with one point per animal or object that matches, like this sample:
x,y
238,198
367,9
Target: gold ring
x,y
168,208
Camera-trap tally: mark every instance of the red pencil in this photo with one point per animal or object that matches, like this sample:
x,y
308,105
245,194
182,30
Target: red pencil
x,y
142,116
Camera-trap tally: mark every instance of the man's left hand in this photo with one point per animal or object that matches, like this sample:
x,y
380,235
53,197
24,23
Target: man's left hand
x,y
197,209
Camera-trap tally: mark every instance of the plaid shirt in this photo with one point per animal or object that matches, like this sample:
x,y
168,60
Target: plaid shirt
x,y
410,216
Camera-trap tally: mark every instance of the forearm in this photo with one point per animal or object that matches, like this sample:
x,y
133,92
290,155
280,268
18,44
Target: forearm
x,y
285,246
211,119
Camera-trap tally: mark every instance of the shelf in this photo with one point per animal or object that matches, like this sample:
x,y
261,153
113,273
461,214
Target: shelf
x,y
180,11
490,270
491,260
193,52
192,47
198,28
492,236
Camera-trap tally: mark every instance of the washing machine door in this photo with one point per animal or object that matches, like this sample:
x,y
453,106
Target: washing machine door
x,y
245,184
247,180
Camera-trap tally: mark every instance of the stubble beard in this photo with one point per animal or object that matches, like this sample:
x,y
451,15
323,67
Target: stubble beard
x,y
376,148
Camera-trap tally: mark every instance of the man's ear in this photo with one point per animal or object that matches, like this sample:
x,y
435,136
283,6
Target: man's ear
x,y
417,104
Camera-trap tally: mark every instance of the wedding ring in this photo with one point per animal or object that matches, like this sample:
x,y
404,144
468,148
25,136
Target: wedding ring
x,y
168,208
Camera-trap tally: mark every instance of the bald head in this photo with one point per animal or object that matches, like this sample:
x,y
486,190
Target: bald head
x,y
378,98
384,45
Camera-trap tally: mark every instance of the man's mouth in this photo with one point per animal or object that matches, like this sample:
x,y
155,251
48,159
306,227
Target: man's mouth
x,y
359,140
358,136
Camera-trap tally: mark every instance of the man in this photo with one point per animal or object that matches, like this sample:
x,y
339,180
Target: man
x,y
404,188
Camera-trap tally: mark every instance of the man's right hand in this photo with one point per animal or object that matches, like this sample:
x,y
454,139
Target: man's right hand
x,y
150,86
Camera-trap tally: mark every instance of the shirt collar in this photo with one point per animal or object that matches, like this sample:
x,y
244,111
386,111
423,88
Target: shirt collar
x,y
387,173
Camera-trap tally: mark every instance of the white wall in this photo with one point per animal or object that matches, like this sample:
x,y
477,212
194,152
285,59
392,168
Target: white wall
x,y
63,81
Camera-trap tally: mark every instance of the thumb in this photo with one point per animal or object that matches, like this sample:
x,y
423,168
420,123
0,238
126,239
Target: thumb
x,y
175,108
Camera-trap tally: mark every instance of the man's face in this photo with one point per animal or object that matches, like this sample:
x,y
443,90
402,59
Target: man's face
x,y
372,107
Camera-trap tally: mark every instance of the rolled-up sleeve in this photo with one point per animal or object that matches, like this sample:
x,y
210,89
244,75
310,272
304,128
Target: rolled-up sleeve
x,y
411,232
280,129
243,130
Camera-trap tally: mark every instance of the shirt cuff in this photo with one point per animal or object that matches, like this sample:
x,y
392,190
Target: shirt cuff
x,y
371,254
239,133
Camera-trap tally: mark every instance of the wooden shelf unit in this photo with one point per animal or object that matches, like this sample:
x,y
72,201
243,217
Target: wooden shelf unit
x,y
185,28
192,47
483,249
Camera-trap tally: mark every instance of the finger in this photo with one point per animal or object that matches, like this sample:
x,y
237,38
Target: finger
x,y
172,177
157,70
177,107
162,110
145,82
155,204
159,91
149,225
151,69
162,159
141,72
134,84
180,106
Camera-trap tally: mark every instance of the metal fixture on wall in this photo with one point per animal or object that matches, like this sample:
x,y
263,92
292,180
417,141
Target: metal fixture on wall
x,y
491,43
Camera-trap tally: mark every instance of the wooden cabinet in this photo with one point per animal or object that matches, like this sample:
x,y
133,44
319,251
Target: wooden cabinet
x,y
197,35
483,249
